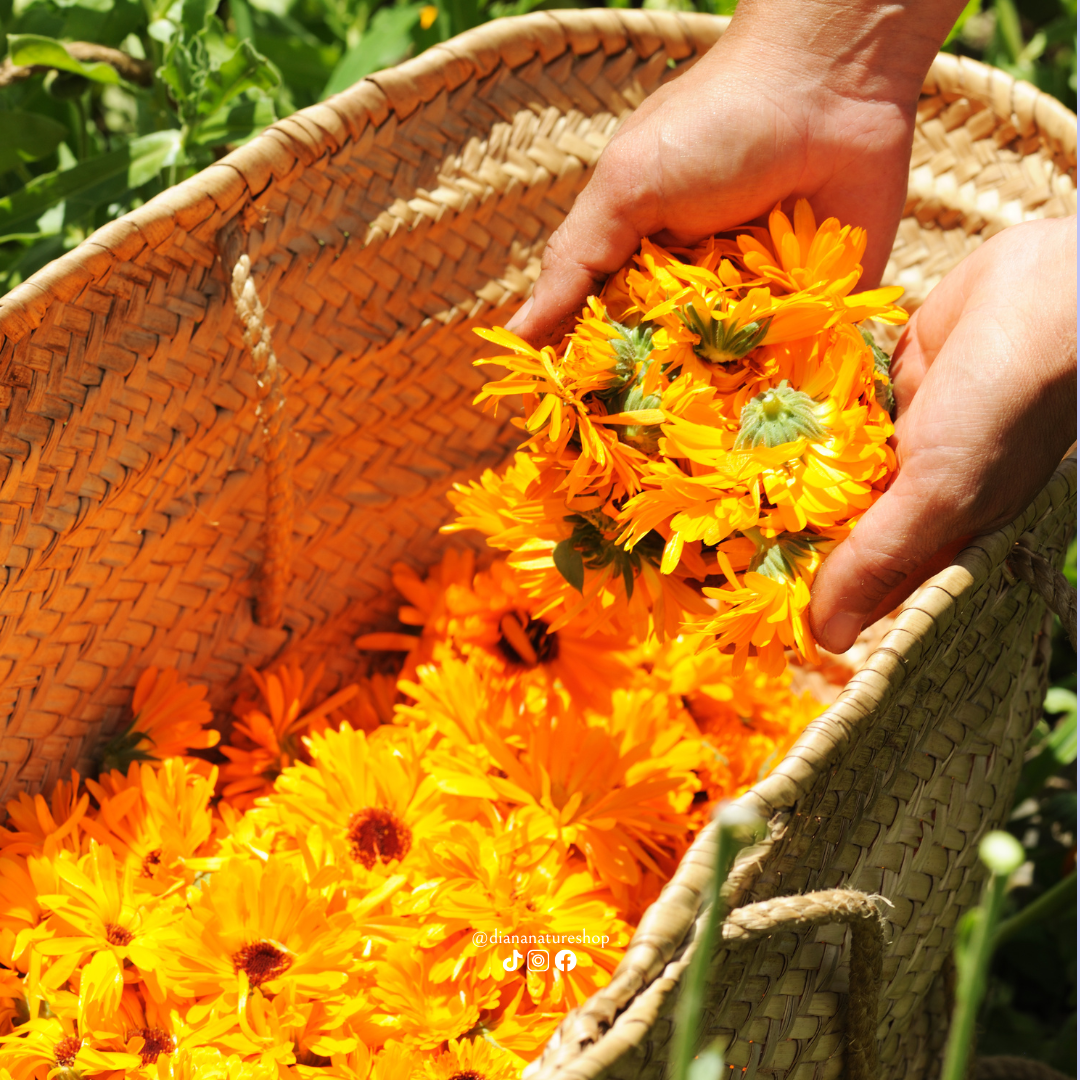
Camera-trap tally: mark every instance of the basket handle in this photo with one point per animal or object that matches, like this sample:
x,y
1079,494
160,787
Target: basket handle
x,y
1027,565
859,911
270,412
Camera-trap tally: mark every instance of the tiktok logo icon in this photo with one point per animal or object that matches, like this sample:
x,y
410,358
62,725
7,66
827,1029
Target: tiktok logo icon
x,y
512,963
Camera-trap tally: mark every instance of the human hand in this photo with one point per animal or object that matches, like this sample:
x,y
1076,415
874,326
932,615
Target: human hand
x,y
985,384
800,98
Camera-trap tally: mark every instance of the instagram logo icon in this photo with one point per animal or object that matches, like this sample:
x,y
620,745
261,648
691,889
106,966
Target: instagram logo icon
x,y
538,960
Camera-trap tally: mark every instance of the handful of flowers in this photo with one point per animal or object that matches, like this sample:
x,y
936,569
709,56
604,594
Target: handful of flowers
x,y
715,424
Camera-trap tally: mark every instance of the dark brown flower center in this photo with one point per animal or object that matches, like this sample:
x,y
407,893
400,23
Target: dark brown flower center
x,y
376,834
151,860
526,641
468,1074
66,1050
118,935
261,961
155,1043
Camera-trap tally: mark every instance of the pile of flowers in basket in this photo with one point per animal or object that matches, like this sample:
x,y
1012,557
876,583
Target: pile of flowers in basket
x,y
416,876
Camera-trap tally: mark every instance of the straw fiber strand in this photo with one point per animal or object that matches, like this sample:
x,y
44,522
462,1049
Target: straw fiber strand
x,y
144,495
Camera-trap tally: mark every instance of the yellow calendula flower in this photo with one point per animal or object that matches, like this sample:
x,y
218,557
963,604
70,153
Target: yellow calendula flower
x,y
100,924
254,928
61,1049
493,894
473,1058
156,819
369,795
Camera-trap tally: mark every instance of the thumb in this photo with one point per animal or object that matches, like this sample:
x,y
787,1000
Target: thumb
x,y
601,232
912,531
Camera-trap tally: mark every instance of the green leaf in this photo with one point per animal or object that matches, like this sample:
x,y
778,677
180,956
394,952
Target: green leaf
x,y
972,7
26,136
387,40
194,15
569,563
129,167
33,50
233,125
245,69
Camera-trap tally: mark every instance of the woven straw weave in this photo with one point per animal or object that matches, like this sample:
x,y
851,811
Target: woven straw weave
x,y
376,230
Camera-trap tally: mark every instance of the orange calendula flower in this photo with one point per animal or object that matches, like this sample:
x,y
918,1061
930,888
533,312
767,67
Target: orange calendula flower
x,y
170,718
266,736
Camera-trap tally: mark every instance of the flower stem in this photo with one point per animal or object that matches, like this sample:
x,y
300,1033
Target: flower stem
x,y
732,835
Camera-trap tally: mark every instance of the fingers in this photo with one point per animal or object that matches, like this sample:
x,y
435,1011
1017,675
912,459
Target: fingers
x,y
602,231
899,541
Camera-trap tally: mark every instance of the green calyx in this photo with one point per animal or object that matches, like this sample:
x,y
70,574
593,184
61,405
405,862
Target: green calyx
x,y
883,390
777,416
722,342
125,747
633,347
778,558
587,546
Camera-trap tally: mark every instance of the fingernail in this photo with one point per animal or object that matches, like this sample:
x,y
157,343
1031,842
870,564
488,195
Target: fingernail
x,y
519,316
841,631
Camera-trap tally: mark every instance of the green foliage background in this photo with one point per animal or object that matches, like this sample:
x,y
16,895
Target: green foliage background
x,y
80,146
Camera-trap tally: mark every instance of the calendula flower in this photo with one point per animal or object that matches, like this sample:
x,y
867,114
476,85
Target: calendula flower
x,y
368,794
577,782
170,717
473,1058
518,881
55,1047
267,739
487,618
156,820
765,608
256,928
414,1007
40,827
99,924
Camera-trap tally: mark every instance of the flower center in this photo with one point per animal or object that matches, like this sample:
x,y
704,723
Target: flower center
x,y
261,961
526,641
376,834
468,1074
155,1043
117,935
66,1051
152,859
778,416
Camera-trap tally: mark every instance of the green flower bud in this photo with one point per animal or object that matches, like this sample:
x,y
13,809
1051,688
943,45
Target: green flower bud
x,y
777,416
1002,852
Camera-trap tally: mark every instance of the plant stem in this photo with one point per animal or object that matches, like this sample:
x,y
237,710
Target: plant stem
x,y
688,1012
1051,901
972,964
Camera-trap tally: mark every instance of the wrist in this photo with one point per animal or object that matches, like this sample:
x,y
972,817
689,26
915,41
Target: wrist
x,y
862,50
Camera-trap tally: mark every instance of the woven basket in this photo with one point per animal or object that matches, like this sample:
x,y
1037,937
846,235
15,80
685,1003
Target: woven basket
x,y
228,413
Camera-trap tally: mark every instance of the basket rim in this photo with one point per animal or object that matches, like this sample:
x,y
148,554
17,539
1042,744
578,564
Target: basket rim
x,y
304,137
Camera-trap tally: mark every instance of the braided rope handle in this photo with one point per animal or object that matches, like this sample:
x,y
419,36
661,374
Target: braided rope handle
x,y
859,911
1050,583
270,411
